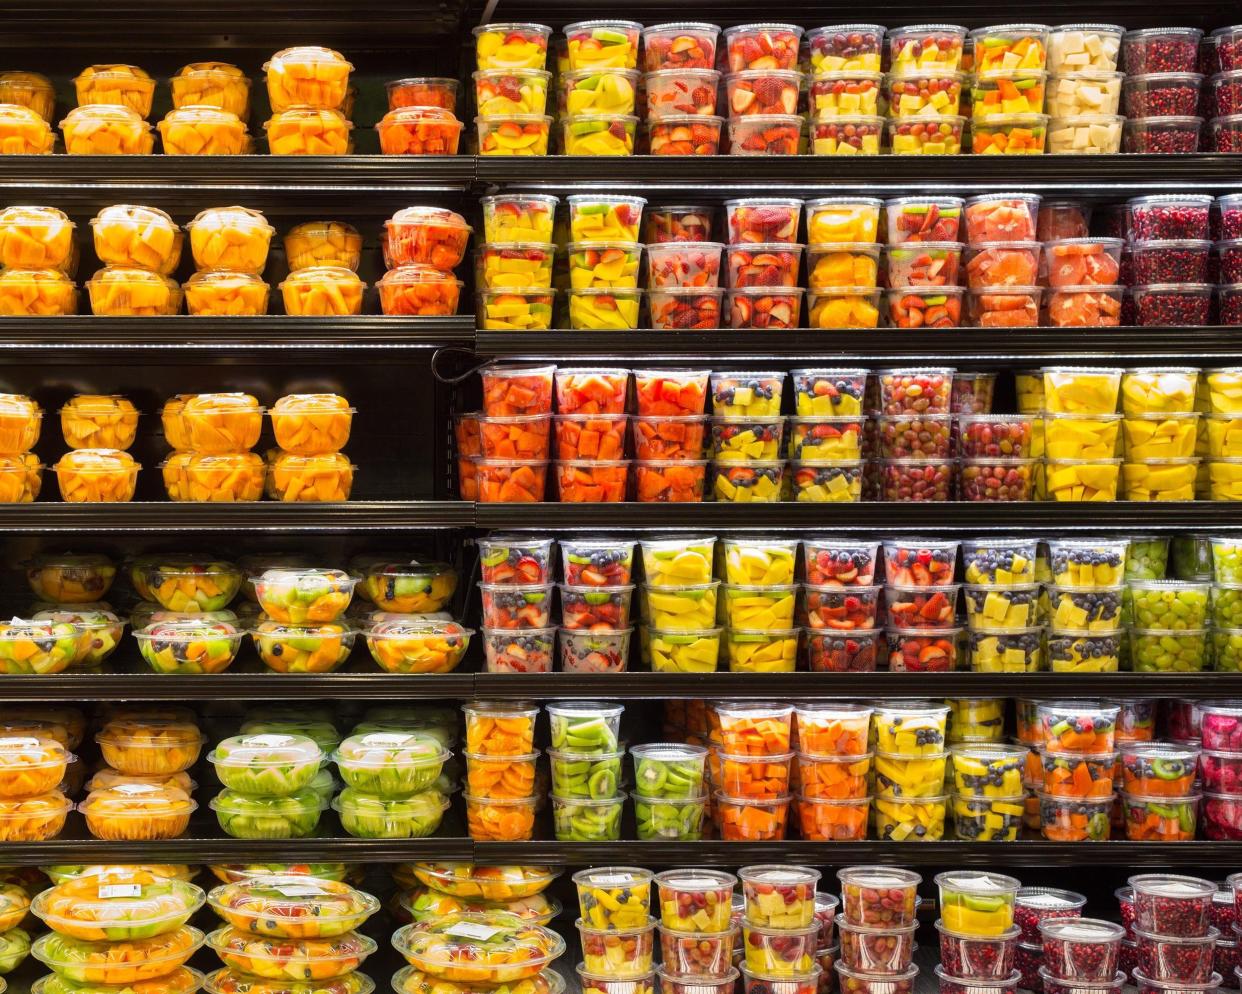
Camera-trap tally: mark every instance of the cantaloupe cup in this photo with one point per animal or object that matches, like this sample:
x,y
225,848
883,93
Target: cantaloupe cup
x,y
222,422
106,130
30,765
203,131
419,291
220,293
176,431
119,291
96,476
137,812
99,421
308,131
115,85
136,237
308,424
232,238
29,89
34,819
219,478
20,420
320,478
36,293
149,747
323,243
36,238
21,478
419,131
307,76
24,132
212,84
322,291
172,470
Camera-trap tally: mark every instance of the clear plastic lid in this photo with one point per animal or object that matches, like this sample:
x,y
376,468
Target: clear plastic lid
x,y
1171,885
131,214
305,956
95,114
487,882
108,777
122,898
417,115
321,274
32,752
302,802
227,981
243,218
304,55
137,800
268,905
382,750
778,875
495,942
265,750
149,733
222,278
438,216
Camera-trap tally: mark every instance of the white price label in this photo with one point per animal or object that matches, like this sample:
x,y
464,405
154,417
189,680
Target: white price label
x,y
300,890
120,890
472,930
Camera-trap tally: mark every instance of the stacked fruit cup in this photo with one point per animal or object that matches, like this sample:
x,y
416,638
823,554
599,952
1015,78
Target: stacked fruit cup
x,y
1084,89
311,100
922,392
139,247
842,267
877,925
1082,276
836,568
1173,931
1223,388
39,259
1158,798
846,89
924,89
1169,630
909,741
590,438
521,396
750,770
762,88
1003,606
1078,758
511,89
422,247
780,934
920,607
830,439
1007,96
683,276
1229,252
598,92
517,567
670,795
1161,90
114,102
33,763
586,755
308,464
759,597
230,248
1032,907
21,471
696,931
988,798
978,937
617,930
1080,954
1081,440
1002,262
1170,277
681,81
670,437
764,226
267,793
923,260
604,254
1223,90
1226,603
213,436
513,268
211,104
678,604
748,433
833,774
422,118
1085,604
975,720
1221,732
500,770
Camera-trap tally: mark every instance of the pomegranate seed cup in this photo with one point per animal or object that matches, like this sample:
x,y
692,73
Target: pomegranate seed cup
x,y
973,957
1081,949
1171,905
1034,905
964,985
1182,959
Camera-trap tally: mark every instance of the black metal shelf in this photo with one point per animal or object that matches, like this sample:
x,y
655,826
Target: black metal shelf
x,y
1107,177
263,516
131,679
957,517
184,339
965,347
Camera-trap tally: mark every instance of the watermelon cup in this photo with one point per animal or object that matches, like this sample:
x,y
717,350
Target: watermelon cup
x,y
765,219
670,481
419,131
848,95
847,136
525,436
675,93
527,651
683,265
585,391
679,224
515,390
511,46
603,44
678,651
671,392
669,438
585,437
679,45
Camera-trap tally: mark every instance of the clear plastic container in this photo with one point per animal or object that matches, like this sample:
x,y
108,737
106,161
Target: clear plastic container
x,y
121,963
266,763
137,811
118,904
307,76
292,906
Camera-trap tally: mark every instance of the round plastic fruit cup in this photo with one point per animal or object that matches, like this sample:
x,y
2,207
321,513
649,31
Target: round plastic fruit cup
x,y
876,950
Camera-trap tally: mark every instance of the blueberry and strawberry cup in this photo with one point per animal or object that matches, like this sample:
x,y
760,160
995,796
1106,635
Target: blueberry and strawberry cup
x,y
595,651
842,652
519,651
597,562
919,563
512,560
840,562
